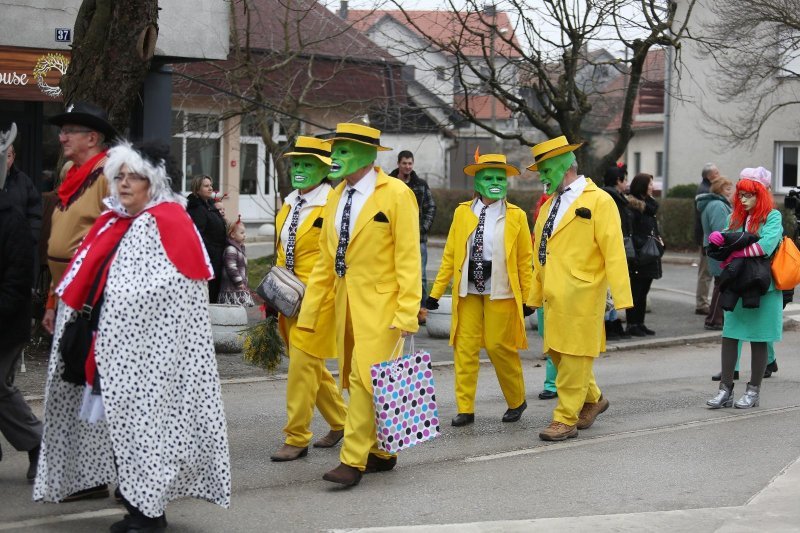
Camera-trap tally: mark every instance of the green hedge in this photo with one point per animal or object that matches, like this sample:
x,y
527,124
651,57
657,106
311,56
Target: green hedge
x,y
447,200
676,219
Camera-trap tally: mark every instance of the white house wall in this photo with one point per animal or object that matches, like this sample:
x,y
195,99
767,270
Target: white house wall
x,y
647,143
430,155
187,28
690,147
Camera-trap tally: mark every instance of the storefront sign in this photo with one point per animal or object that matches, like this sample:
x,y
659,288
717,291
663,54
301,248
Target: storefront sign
x,y
31,74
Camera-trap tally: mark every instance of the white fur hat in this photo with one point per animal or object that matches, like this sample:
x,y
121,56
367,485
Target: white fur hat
x,y
148,160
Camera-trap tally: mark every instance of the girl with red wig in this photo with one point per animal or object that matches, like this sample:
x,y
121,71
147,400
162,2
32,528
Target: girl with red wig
x,y
752,212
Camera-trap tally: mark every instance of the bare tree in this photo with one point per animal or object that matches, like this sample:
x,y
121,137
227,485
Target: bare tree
x,y
541,71
114,43
756,48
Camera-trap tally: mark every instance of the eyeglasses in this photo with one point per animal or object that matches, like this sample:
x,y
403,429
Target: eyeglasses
x,y
746,195
132,178
69,130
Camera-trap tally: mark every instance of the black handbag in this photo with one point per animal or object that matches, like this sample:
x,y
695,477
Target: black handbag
x,y
77,337
651,251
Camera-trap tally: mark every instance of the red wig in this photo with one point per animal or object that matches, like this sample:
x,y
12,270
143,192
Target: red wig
x,y
759,213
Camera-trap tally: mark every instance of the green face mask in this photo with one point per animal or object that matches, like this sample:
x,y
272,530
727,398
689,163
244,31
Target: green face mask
x,y
552,171
307,171
491,183
350,156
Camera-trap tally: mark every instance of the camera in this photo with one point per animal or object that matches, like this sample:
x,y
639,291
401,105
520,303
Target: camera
x,y
791,201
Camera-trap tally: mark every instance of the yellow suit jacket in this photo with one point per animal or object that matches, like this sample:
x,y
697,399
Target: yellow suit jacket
x,y
518,252
383,284
585,256
321,343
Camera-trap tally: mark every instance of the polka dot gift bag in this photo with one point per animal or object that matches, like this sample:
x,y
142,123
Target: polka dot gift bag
x,y
405,400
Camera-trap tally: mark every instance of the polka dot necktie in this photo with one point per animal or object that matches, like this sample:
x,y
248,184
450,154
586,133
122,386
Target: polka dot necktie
x,y
477,252
344,235
293,233
548,228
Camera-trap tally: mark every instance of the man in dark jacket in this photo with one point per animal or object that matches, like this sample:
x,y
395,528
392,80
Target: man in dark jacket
x,y
23,195
709,174
17,423
427,210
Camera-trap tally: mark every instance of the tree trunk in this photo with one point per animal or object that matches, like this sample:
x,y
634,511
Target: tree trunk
x,y
114,43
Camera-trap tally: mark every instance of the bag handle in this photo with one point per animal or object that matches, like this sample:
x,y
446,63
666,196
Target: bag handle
x,y
88,306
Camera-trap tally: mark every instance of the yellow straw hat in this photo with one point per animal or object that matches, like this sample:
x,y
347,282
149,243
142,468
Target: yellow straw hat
x,y
551,148
319,148
347,131
491,161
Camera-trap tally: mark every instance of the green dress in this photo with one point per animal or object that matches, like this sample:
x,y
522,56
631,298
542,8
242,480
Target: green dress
x,y
765,323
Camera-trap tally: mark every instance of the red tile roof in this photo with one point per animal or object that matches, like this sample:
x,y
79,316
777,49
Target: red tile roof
x,y
650,98
480,106
442,27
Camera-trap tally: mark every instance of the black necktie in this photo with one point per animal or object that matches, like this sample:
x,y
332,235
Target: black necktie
x,y
477,252
548,227
293,233
344,235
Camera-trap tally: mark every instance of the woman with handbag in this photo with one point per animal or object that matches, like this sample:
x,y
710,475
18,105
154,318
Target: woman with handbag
x,y
309,383
752,212
649,248
211,224
136,399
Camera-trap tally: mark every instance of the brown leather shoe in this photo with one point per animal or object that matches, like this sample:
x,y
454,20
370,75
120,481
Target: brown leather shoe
x,y
344,475
379,464
330,440
289,453
558,431
590,411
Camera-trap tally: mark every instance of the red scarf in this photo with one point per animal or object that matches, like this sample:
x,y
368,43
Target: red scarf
x,y
75,177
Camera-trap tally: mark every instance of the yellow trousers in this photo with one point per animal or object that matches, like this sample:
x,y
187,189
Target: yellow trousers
x,y
309,383
575,384
489,323
360,431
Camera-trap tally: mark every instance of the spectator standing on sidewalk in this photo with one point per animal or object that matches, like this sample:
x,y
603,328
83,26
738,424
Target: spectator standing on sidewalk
x,y
17,423
23,195
427,210
715,208
702,305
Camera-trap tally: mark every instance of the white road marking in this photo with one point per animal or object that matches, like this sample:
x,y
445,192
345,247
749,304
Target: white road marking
x,y
61,518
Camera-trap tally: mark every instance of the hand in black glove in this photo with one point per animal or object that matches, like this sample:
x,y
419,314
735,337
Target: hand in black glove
x,y
527,311
432,303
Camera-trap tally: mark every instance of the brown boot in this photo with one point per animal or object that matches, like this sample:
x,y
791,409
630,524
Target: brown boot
x,y
289,453
590,411
558,431
330,440
344,475
379,464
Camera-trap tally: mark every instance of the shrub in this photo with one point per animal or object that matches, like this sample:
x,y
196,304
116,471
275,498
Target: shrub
x,y
676,219
448,199
688,190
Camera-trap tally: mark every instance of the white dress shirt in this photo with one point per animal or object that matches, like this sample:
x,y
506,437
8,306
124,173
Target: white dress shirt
x,y
494,226
314,198
364,189
567,198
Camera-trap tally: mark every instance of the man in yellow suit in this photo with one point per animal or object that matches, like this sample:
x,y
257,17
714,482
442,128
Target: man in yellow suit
x,y
309,383
578,254
488,258
370,260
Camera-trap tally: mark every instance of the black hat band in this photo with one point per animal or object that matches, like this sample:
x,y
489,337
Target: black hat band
x,y
312,151
357,137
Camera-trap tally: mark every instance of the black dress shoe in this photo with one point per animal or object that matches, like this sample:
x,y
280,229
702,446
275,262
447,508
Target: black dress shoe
x,y
772,367
647,330
379,464
33,462
718,376
140,524
636,330
512,415
548,395
462,419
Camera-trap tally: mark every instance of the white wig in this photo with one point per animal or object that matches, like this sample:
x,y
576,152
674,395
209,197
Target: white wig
x,y
155,170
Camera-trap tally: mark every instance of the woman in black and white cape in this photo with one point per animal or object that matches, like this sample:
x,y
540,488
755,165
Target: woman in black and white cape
x,y
157,426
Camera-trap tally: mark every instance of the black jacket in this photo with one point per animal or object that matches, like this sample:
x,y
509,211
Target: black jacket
x,y
212,229
643,224
425,202
747,278
16,274
622,206
26,198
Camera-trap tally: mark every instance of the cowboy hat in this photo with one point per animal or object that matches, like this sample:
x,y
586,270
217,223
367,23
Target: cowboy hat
x,y
321,149
88,115
548,149
347,131
491,161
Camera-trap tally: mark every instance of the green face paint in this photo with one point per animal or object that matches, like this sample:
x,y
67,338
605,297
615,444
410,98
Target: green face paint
x,y
350,156
491,183
307,171
552,171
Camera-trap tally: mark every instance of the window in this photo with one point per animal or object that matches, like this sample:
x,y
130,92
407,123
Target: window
x,y
659,164
196,145
637,162
441,73
786,165
790,54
